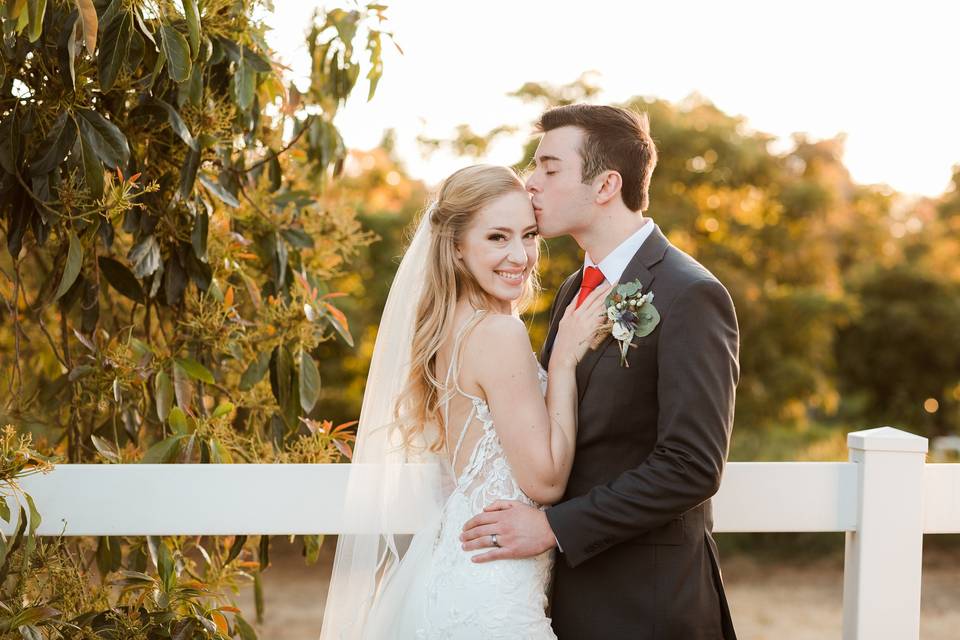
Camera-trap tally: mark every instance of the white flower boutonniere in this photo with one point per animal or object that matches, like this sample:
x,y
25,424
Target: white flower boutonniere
x,y
631,314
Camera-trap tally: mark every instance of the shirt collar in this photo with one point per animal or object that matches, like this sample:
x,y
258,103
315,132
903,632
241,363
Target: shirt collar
x,y
613,266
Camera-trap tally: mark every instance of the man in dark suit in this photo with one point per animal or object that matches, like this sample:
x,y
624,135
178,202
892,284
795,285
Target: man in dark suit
x,y
634,527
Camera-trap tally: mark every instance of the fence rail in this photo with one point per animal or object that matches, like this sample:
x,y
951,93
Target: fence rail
x,y
884,500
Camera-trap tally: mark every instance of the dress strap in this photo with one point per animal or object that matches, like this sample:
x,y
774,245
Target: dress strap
x,y
453,372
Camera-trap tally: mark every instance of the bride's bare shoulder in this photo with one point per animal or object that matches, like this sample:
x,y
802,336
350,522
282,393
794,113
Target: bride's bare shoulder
x,y
500,338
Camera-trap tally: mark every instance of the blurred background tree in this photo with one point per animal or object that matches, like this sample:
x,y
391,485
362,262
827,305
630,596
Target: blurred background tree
x,y
799,245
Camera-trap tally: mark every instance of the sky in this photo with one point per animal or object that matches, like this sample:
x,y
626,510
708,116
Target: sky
x,y
882,73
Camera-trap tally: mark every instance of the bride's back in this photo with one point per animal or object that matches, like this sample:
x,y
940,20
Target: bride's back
x,y
455,368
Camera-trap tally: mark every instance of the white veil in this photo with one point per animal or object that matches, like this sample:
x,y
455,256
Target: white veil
x,y
389,490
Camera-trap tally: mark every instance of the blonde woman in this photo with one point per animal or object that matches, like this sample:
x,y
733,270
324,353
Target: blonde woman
x,y
468,391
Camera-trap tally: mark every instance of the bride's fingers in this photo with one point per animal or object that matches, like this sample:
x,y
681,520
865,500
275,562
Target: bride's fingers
x,y
498,505
600,293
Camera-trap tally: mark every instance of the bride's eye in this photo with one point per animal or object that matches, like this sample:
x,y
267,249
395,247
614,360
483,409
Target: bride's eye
x,y
533,234
498,237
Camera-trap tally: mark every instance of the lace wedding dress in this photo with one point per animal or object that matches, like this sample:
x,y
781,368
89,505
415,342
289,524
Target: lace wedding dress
x,y
437,591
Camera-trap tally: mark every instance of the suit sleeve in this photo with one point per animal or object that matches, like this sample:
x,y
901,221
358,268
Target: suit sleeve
x,y
698,371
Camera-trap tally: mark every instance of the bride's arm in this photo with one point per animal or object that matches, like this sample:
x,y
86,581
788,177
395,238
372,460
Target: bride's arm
x,y
538,439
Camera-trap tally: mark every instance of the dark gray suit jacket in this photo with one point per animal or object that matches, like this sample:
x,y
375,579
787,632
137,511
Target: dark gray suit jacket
x,y
639,561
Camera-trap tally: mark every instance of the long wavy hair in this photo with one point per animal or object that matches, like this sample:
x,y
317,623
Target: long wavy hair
x,y
459,198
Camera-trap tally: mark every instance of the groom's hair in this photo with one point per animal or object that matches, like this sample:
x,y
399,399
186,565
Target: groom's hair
x,y
615,139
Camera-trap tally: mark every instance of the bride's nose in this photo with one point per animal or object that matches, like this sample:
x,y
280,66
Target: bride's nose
x,y
517,254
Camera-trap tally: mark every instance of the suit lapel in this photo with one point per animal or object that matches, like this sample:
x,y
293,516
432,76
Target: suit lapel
x,y
565,295
639,268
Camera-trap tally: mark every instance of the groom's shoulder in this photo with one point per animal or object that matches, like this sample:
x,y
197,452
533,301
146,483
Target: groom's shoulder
x,y
681,269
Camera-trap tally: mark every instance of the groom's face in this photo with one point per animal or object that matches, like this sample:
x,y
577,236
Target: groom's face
x,y
562,203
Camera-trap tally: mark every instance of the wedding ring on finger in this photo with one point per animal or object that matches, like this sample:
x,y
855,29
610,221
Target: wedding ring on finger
x,y
493,539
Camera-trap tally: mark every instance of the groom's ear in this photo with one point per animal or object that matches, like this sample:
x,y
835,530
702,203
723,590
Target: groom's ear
x,y
611,182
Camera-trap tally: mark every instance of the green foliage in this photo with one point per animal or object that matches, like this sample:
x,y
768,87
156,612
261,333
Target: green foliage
x,y
170,240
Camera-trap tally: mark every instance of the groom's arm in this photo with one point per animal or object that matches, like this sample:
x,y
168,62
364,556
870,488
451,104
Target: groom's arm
x,y
697,376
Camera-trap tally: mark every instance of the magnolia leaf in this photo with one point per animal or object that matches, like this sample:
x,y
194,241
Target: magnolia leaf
x,y
121,279
35,11
92,167
192,14
195,370
182,387
309,382
145,257
188,174
163,392
178,421
177,53
176,122
106,140
106,448
222,409
54,148
198,237
72,266
244,84
218,190
88,18
163,451
113,48
255,371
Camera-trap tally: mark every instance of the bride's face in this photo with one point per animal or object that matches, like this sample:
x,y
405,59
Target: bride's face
x,y
500,246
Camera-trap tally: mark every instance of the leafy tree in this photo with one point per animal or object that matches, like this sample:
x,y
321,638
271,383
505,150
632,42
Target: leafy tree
x,y
170,244
900,356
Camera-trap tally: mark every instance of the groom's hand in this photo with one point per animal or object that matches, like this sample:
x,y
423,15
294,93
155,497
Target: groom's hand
x,y
522,532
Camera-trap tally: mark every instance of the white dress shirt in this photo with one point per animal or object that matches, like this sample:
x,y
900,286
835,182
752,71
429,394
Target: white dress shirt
x,y
613,266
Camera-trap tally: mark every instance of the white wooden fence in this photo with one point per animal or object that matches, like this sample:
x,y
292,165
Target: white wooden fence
x,y
884,499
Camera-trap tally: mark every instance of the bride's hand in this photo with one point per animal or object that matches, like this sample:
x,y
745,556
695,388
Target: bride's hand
x,y
580,329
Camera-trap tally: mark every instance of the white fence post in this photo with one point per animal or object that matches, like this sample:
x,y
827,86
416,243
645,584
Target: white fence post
x,y
881,582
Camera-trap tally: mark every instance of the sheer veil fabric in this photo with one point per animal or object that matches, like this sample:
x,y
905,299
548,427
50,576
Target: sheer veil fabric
x,y
390,491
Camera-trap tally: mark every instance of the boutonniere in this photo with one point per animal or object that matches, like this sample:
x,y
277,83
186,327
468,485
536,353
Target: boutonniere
x,y
631,314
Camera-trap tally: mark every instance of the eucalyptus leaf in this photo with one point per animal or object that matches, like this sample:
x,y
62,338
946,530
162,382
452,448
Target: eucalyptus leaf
x,y
648,318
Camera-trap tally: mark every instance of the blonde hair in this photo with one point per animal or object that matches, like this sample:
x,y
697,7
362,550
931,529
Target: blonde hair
x,y
460,197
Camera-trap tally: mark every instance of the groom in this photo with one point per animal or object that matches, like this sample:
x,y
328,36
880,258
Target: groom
x,y
634,528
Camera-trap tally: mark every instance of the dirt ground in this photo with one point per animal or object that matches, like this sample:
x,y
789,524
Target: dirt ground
x,y
769,600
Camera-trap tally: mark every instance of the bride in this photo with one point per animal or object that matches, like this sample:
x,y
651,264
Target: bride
x,y
454,384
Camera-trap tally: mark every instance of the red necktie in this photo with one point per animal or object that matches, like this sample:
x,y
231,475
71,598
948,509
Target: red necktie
x,y
592,278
